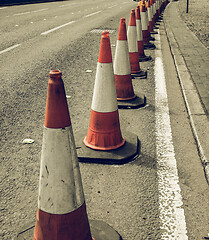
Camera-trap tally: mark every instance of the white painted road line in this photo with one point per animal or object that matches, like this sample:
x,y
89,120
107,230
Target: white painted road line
x,y
19,14
35,11
39,10
56,28
92,14
113,6
173,224
10,48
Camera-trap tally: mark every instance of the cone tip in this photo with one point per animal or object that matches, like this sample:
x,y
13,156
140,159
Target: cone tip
x,y
123,20
55,73
105,34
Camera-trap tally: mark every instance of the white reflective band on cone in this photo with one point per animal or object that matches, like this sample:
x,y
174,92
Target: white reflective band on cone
x,y
104,96
144,20
132,39
149,14
139,30
60,186
121,53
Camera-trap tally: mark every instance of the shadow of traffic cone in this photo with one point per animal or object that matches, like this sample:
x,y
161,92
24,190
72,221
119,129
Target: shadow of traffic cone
x,y
122,71
142,56
61,205
133,48
145,31
104,134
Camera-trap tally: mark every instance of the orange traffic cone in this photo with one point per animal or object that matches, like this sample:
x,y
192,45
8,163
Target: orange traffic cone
x,y
104,128
133,48
123,81
142,56
145,31
61,206
152,7
104,134
61,211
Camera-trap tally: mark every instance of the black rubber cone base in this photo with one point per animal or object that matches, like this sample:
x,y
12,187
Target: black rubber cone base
x,y
152,39
122,155
102,231
26,232
145,58
99,231
150,46
141,74
153,32
138,102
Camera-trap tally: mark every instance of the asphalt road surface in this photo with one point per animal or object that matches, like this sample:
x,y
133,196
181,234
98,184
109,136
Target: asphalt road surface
x,y
162,194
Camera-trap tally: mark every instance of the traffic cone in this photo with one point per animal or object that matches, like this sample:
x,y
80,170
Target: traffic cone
x,y
61,206
61,211
145,31
142,56
133,48
104,128
149,19
104,133
123,81
153,21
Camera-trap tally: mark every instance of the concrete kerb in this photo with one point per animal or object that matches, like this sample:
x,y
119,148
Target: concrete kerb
x,y
198,119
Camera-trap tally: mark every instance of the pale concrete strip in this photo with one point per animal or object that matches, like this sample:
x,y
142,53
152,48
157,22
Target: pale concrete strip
x,y
10,48
171,212
198,119
56,28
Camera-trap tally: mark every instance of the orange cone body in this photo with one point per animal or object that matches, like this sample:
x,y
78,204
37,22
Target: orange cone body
x,y
122,69
104,128
61,211
132,44
139,33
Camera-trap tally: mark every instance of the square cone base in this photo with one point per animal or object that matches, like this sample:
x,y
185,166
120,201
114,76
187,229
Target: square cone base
x,y
142,74
122,155
138,102
145,58
150,46
153,32
99,231
102,231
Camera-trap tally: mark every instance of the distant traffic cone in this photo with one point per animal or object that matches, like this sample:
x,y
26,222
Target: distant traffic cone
x,y
123,81
142,56
61,206
145,31
133,48
61,211
153,21
104,134
149,11
149,19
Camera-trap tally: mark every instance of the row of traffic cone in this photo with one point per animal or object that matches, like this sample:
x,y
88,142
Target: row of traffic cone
x,y
61,211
